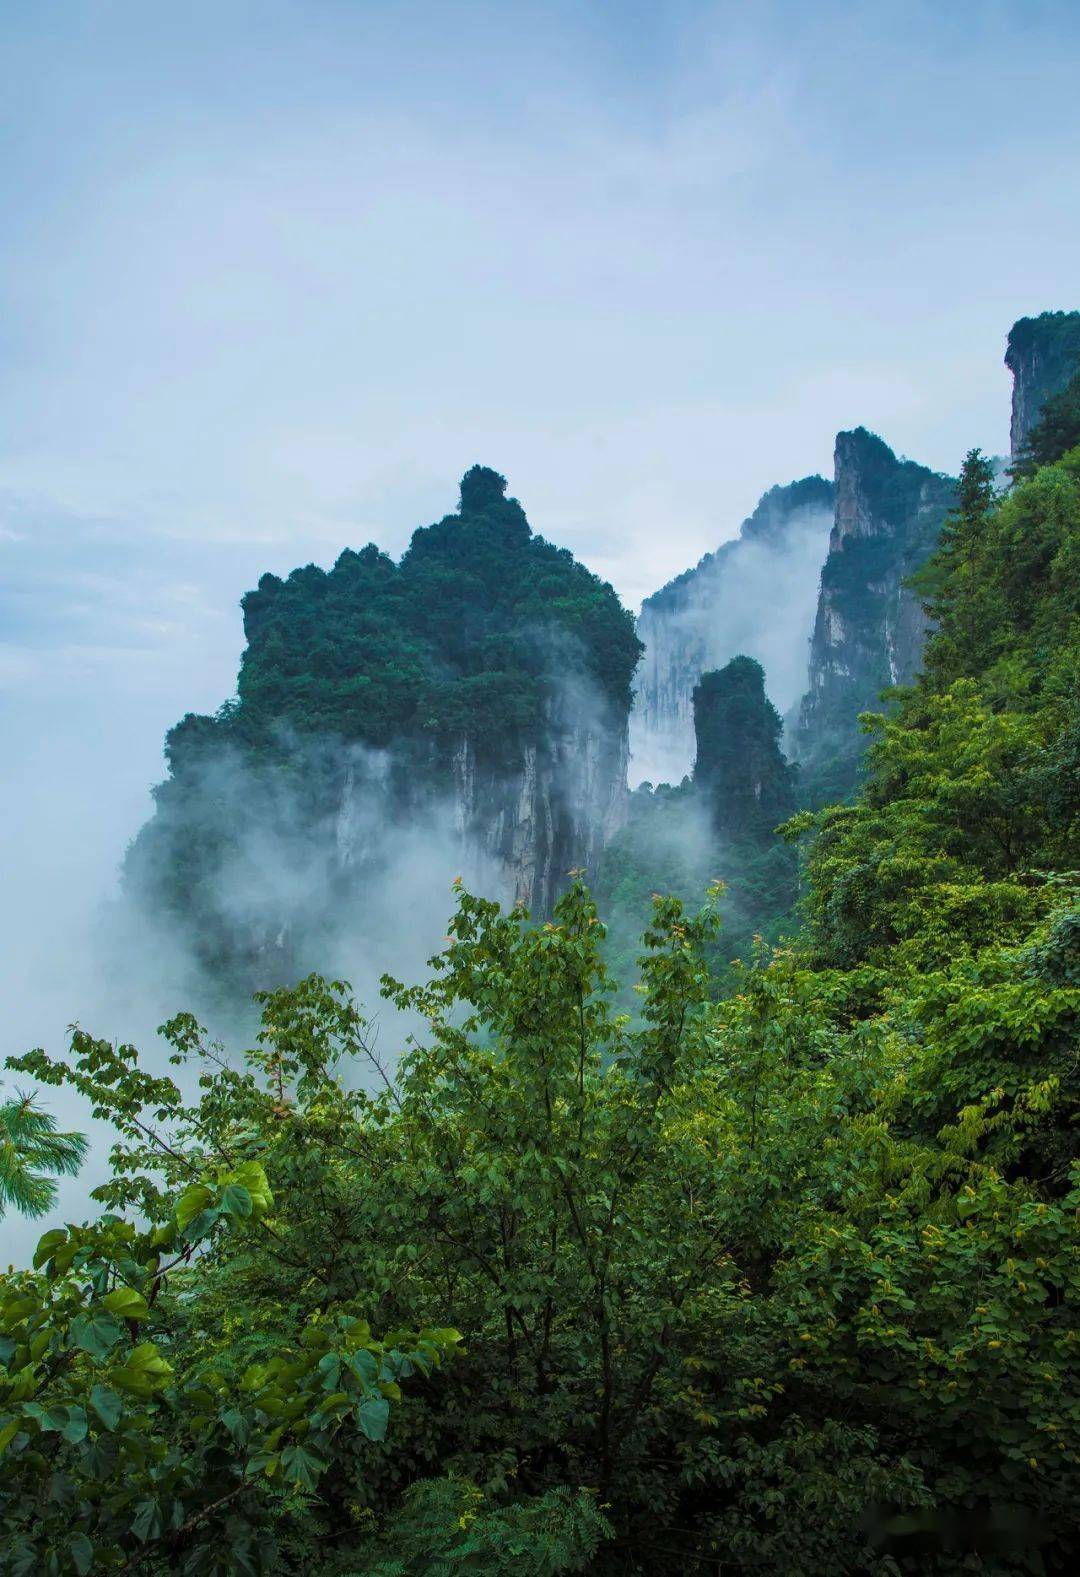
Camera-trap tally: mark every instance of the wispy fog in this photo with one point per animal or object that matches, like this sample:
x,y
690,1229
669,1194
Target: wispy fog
x,y
755,598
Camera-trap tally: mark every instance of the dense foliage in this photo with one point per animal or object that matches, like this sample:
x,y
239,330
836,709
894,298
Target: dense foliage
x,y
785,1280
468,631
457,682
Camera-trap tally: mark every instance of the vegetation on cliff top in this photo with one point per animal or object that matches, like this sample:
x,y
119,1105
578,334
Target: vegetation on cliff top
x,y
463,636
484,635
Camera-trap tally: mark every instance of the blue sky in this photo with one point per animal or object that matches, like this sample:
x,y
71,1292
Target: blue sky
x,y
274,274
277,273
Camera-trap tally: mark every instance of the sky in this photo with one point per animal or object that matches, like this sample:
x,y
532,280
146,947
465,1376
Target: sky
x,y
275,274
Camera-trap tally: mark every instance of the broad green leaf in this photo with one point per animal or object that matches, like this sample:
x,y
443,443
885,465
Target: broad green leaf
x,y
48,1244
77,1425
145,1371
191,1203
252,1177
96,1334
81,1552
107,1405
126,1304
236,1424
373,1414
302,1465
236,1201
147,1523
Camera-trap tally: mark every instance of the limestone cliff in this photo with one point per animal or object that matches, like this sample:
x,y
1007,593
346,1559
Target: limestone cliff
x,y
755,595
1042,354
554,814
869,628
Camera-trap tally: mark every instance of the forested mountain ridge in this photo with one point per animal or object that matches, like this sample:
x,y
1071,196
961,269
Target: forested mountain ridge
x,y
834,607
479,690
787,1280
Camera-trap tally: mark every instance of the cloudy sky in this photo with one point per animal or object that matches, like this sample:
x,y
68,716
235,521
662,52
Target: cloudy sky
x,y
274,274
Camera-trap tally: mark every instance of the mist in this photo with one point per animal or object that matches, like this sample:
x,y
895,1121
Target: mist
x,y
753,598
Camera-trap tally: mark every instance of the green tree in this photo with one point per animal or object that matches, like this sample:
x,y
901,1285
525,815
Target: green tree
x,y
949,581
33,1153
133,1434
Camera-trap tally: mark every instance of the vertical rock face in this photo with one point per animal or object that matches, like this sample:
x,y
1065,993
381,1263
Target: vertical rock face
x,y
1042,354
869,629
555,813
756,595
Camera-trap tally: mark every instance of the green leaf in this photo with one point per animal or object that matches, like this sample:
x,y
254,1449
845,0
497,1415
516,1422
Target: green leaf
x,y
77,1425
199,1227
96,1334
48,1244
330,1369
236,1424
236,1201
147,1522
252,1177
191,1203
302,1465
145,1371
22,1558
127,1304
442,1336
364,1365
8,1432
81,1552
99,1456
373,1415
107,1405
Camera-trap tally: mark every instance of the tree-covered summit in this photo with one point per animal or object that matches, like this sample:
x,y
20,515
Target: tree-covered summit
x,y
465,632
